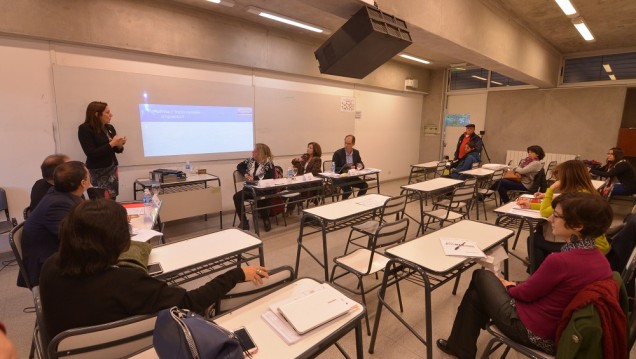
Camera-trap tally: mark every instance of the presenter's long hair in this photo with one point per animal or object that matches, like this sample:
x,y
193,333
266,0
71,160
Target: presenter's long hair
x,y
92,237
94,112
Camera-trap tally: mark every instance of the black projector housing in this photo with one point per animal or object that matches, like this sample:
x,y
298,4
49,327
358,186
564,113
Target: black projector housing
x,y
365,42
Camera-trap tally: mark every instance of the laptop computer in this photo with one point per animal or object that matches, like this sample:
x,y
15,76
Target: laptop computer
x,y
315,309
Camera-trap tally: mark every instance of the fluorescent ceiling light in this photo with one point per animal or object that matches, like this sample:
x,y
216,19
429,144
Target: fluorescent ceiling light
x,y
496,82
479,78
215,1
613,77
579,23
415,58
280,18
607,68
566,6
228,3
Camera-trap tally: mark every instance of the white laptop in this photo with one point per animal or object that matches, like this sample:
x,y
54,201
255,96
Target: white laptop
x,y
315,309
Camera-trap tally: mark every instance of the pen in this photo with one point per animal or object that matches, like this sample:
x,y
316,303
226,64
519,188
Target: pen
x,y
459,245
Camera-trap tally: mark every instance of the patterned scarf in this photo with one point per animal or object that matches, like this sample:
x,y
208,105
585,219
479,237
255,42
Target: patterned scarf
x,y
576,243
526,161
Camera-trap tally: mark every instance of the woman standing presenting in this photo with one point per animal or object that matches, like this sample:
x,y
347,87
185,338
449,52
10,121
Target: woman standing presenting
x,y
100,142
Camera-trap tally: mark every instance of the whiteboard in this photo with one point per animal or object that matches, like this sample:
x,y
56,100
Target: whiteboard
x,y
76,87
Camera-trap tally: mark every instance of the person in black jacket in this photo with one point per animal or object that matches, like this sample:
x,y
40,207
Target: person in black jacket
x,y
82,286
468,136
345,159
40,233
619,172
100,143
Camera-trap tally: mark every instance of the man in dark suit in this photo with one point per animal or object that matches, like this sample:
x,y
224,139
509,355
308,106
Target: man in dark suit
x,y
39,237
41,187
345,159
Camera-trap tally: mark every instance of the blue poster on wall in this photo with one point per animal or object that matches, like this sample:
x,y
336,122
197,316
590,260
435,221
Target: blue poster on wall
x,y
457,120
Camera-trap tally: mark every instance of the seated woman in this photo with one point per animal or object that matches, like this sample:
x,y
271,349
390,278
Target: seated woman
x,y
619,172
571,176
524,173
309,162
80,285
259,166
466,162
529,313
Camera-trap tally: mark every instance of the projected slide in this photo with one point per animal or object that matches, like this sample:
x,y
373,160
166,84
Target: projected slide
x,y
168,130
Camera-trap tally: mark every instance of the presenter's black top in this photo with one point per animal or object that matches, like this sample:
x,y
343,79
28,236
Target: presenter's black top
x,y
96,146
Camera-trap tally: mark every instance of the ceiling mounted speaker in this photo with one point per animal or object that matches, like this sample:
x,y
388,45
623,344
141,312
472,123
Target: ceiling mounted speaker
x,y
365,42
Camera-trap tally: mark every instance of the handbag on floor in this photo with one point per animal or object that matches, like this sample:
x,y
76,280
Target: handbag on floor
x,y
182,334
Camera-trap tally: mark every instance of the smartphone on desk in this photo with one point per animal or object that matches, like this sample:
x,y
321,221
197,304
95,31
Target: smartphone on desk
x,y
247,343
154,269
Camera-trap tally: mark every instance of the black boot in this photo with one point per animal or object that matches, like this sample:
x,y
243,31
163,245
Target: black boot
x,y
267,224
244,225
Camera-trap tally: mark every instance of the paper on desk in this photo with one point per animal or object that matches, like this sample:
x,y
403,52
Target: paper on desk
x,y
460,247
133,209
143,234
525,212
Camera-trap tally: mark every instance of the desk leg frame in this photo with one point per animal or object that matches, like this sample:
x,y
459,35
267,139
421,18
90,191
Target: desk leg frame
x,y
301,246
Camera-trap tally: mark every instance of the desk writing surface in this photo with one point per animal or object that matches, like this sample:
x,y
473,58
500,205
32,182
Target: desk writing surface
x,y
346,208
433,184
478,172
280,182
177,255
351,173
146,182
428,165
270,344
494,166
512,209
597,184
427,251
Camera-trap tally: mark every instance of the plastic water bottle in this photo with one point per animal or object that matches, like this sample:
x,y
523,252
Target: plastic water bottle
x,y
333,167
290,172
187,167
147,205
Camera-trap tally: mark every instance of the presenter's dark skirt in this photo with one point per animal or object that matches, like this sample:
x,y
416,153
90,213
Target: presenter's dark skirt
x,y
107,178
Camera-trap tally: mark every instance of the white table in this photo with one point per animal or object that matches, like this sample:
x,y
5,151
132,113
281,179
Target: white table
x,y
268,193
428,188
597,184
494,166
478,172
269,343
530,217
193,258
425,258
335,216
339,180
191,197
422,168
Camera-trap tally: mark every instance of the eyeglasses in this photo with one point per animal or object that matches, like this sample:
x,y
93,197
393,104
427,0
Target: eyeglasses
x,y
610,154
348,143
556,215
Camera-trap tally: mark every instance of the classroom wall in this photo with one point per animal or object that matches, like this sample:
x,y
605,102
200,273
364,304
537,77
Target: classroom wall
x,y
32,124
579,121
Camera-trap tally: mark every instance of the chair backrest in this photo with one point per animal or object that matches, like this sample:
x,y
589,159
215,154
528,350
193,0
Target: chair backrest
x,y
118,339
393,206
549,172
278,172
246,292
8,223
494,179
326,166
388,234
239,179
26,212
470,182
440,168
462,194
15,241
539,182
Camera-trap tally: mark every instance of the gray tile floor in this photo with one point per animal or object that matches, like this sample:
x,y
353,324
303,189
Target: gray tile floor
x,y
394,341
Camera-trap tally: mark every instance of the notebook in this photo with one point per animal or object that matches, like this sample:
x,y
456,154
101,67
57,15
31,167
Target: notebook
x,y
315,309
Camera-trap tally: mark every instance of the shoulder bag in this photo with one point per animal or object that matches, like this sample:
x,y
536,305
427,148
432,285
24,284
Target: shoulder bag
x,y
182,334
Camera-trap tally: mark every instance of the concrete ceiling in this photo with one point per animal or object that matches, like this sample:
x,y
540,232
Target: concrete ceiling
x,y
613,23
